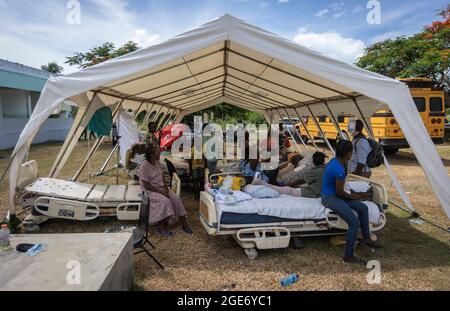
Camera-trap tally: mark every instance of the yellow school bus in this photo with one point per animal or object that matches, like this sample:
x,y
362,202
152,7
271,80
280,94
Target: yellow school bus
x,y
429,100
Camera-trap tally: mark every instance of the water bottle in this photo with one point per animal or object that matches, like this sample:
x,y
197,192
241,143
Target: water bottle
x,y
5,243
293,278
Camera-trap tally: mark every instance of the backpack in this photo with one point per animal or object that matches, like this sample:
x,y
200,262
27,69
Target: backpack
x,y
376,156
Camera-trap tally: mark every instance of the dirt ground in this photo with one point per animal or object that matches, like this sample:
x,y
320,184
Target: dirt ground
x,y
414,257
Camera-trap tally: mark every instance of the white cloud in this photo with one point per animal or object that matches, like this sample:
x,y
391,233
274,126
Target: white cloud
x,y
339,14
282,1
48,37
357,9
144,40
322,13
337,9
332,44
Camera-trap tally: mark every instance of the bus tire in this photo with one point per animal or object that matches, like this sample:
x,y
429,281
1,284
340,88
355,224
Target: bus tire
x,y
390,151
305,139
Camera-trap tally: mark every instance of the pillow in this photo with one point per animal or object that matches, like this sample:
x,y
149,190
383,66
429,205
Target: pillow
x,y
358,186
261,192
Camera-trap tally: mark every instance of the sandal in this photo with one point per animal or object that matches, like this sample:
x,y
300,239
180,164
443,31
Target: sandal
x,y
356,260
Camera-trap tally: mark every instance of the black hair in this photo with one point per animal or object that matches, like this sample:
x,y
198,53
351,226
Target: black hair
x,y
343,147
359,125
319,158
296,159
150,150
152,124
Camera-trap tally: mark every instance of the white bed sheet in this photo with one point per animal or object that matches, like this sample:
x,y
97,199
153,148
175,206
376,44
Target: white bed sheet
x,y
289,207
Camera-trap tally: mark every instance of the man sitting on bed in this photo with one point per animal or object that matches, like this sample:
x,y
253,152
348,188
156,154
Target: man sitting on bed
x,y
310,180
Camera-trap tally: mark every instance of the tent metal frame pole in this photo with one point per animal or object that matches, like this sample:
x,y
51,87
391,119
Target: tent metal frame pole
x,y
267,90
131,98
226,57
290,74
372,136
295,129
249,103
190,104
335,122
204,92
249,98
267,100
162,123
62,152
157,98
147,117
244,99
177,81
168,68
275,83
95,147
102,169
324,137
306,129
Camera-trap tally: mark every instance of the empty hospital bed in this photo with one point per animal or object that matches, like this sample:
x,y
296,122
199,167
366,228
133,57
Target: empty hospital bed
x,y
56,198
261,223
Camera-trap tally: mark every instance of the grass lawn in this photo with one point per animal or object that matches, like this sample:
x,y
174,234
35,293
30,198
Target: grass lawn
x,y
415,257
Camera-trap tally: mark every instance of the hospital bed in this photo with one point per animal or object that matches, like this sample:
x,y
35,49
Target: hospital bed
x,y
56,198
254,230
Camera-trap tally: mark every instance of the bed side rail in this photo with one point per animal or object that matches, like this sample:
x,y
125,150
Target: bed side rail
x,y
380,196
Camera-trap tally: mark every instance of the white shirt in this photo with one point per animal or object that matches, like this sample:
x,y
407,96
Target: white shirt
x,y
361,150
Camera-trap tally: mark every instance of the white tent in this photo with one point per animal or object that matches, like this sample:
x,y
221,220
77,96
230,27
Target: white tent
x,y
228,60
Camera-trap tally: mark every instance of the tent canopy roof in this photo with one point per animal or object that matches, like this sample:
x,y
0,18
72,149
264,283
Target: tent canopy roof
x,y
229,60
226,60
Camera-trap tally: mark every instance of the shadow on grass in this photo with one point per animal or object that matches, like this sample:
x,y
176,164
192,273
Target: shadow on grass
x,y
404,247
408,159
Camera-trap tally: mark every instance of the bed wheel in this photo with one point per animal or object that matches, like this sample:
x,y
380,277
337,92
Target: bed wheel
x,y
251,253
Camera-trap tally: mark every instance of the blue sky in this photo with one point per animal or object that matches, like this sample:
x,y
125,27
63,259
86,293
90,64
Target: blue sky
x,y
34,32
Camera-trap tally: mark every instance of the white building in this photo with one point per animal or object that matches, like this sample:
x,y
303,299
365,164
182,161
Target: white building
x,y
20,88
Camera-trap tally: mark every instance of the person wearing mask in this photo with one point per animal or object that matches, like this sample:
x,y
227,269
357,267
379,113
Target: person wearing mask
x,y
345,205
361,150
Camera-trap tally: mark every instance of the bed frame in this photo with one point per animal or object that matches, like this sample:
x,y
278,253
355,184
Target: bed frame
x,y
252,237
54,198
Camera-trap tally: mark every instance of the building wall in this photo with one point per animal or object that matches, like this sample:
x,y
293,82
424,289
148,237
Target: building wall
x,y
15,108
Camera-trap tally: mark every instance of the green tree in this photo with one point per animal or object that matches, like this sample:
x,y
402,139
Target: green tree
x,y
100,54
53,67
426,54
228,114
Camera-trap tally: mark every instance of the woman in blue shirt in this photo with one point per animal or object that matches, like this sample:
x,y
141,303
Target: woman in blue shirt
x,y
335,198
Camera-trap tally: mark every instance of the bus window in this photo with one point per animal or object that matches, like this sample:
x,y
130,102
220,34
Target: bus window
x,y
420,103
322,119
436,104
341,118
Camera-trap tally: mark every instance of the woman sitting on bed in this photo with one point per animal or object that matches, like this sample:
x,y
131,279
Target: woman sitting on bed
x,y
335,198
165,206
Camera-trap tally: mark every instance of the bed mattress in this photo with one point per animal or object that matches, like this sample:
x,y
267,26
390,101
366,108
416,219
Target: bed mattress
x,y
285,208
